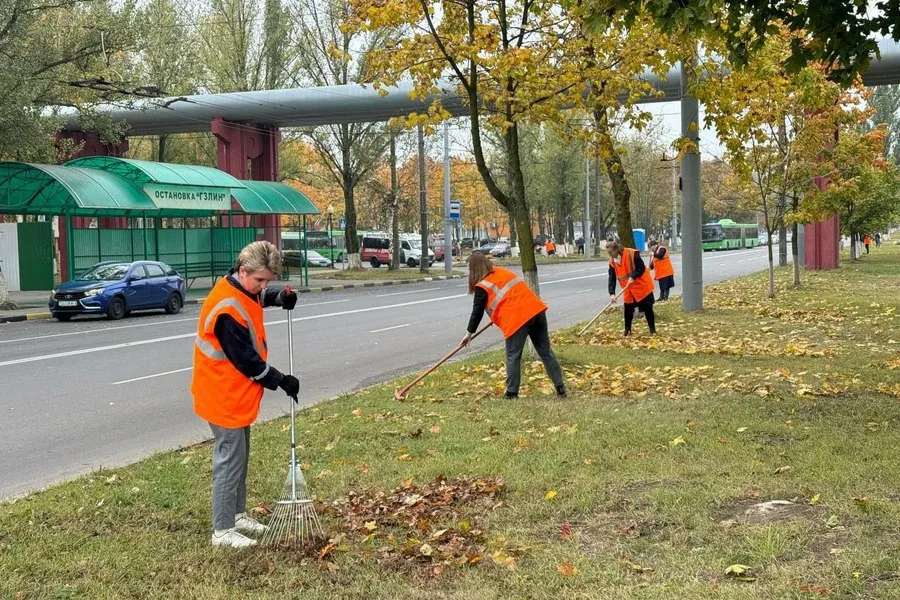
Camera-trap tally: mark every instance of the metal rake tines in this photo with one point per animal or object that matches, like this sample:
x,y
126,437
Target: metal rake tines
x,y
293,523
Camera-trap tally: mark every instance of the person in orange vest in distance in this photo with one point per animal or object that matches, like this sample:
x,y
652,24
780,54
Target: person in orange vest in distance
x,y
867,241
518,313
550,247
627,268
230,375
663,271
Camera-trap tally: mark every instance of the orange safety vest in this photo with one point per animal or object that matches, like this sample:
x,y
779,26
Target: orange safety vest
x,y
867,240
223,395
550,246
510,302
661,267
640,287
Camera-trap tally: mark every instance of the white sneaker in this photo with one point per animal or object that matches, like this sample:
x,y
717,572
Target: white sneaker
x,y
230,538
247,524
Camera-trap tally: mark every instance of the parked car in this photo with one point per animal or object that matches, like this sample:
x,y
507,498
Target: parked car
x,y
376,249
439,250
500,250
411,251
467,243
294,258
116,288
485,248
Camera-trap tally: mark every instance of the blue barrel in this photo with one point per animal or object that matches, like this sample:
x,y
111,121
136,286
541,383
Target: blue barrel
x,y
640,239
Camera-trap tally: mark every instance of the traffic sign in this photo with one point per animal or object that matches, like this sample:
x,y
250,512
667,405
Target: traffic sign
x,y
454,209
342,223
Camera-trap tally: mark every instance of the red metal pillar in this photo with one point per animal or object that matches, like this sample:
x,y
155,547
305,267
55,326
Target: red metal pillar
x,y
249,151
822,240
90,145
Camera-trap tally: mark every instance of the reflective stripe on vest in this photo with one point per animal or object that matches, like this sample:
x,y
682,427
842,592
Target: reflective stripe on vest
x,y
234,303
500,292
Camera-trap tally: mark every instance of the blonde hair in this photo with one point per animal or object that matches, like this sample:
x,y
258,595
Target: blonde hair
x,y
613,244
480,266
259,256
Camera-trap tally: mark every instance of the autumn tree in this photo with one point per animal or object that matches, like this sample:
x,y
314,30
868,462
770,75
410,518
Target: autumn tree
x,y
775,124
837,33
863,186
886,102
330,52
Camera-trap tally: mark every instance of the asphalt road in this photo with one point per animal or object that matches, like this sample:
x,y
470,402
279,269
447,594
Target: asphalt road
x,y
93,393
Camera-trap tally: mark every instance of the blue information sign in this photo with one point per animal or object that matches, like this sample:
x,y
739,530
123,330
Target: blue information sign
x,y
454,209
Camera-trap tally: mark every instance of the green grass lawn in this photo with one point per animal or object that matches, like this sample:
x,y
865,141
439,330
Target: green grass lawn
x,y
636,487
381,274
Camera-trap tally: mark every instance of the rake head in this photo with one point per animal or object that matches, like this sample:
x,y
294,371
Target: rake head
x,y
294,521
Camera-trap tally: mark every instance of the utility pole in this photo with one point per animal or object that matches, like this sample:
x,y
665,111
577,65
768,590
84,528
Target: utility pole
x,y
395,206
691,208
674,242
448,226
586,225
423,206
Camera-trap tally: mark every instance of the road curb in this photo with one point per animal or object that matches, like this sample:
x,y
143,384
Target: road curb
x,y
304,290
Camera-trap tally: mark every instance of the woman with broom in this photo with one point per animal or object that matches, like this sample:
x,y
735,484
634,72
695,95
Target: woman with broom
x,y
627,268
230,376
663,271
518,313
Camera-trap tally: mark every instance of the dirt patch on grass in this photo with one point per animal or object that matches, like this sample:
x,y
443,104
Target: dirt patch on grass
x,y
756,512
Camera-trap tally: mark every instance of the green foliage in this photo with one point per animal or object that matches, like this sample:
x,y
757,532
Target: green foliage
x,y
837,32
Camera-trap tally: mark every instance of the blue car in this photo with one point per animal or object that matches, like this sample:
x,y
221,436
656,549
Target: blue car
x,y
116,288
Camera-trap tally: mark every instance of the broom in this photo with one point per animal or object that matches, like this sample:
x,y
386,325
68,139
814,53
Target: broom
x,y
603,310
294,520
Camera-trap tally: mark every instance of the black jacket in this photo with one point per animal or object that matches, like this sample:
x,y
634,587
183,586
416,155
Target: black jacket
x,y
237,344
636,272
481,298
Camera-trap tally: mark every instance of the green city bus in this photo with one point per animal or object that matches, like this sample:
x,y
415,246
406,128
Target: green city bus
x,y
728,235
329,244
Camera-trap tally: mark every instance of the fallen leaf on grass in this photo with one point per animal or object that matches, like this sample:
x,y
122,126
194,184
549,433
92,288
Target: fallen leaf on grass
x,y
426,550
862,503
815,589
501,558
783,469
435,429
357,411
565,531
815,499
589,461
740,572
567,570
741,429
832,522
362,469
677,442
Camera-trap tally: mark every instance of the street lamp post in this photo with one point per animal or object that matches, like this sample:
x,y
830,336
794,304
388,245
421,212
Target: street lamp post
x,y
330,211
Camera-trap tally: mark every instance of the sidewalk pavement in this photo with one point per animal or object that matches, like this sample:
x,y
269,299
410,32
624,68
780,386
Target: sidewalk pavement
x,y
33,305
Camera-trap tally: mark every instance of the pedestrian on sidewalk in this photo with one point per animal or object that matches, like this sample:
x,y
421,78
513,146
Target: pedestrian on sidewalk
x,y
627,268
230,376
877,240
518,313
579,243
867,241
663,271
550,247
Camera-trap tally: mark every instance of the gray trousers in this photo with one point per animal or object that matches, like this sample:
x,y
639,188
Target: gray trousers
x,y
536,329
231,455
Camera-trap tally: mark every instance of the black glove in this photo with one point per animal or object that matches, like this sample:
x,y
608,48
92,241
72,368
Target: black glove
x,y
290,385
288,299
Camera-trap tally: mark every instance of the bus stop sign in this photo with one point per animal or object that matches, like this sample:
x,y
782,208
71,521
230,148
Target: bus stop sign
x,y
454,209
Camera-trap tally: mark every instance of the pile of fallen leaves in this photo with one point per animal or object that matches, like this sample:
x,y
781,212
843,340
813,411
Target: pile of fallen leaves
x,y
711,340
432,526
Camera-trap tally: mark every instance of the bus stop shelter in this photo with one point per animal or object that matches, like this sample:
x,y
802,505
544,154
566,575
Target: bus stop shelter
x,y
152,199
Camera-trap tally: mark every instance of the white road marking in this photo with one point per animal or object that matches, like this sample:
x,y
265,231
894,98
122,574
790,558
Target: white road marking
x,y
389,328
169,338
152,376
584,291
400,293
154,323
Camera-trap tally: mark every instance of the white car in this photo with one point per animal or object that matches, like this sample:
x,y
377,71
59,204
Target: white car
x,y
411,252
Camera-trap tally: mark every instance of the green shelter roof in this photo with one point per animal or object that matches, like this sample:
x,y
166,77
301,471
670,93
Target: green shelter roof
x,y
50,189
144,171
271,197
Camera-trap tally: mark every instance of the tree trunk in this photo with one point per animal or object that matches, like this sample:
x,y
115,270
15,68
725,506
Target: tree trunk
x,y
350,237
513,234
782,242
395,208
853,246
620,189
5,302
519,209
771,291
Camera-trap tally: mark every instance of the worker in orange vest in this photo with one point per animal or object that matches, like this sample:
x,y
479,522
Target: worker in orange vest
x,y
663,271
518,313
867,241
628,270
550,247
230,375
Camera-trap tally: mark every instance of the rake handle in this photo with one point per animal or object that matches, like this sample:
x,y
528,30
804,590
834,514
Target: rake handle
x,y
603,310
293,401
402,392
